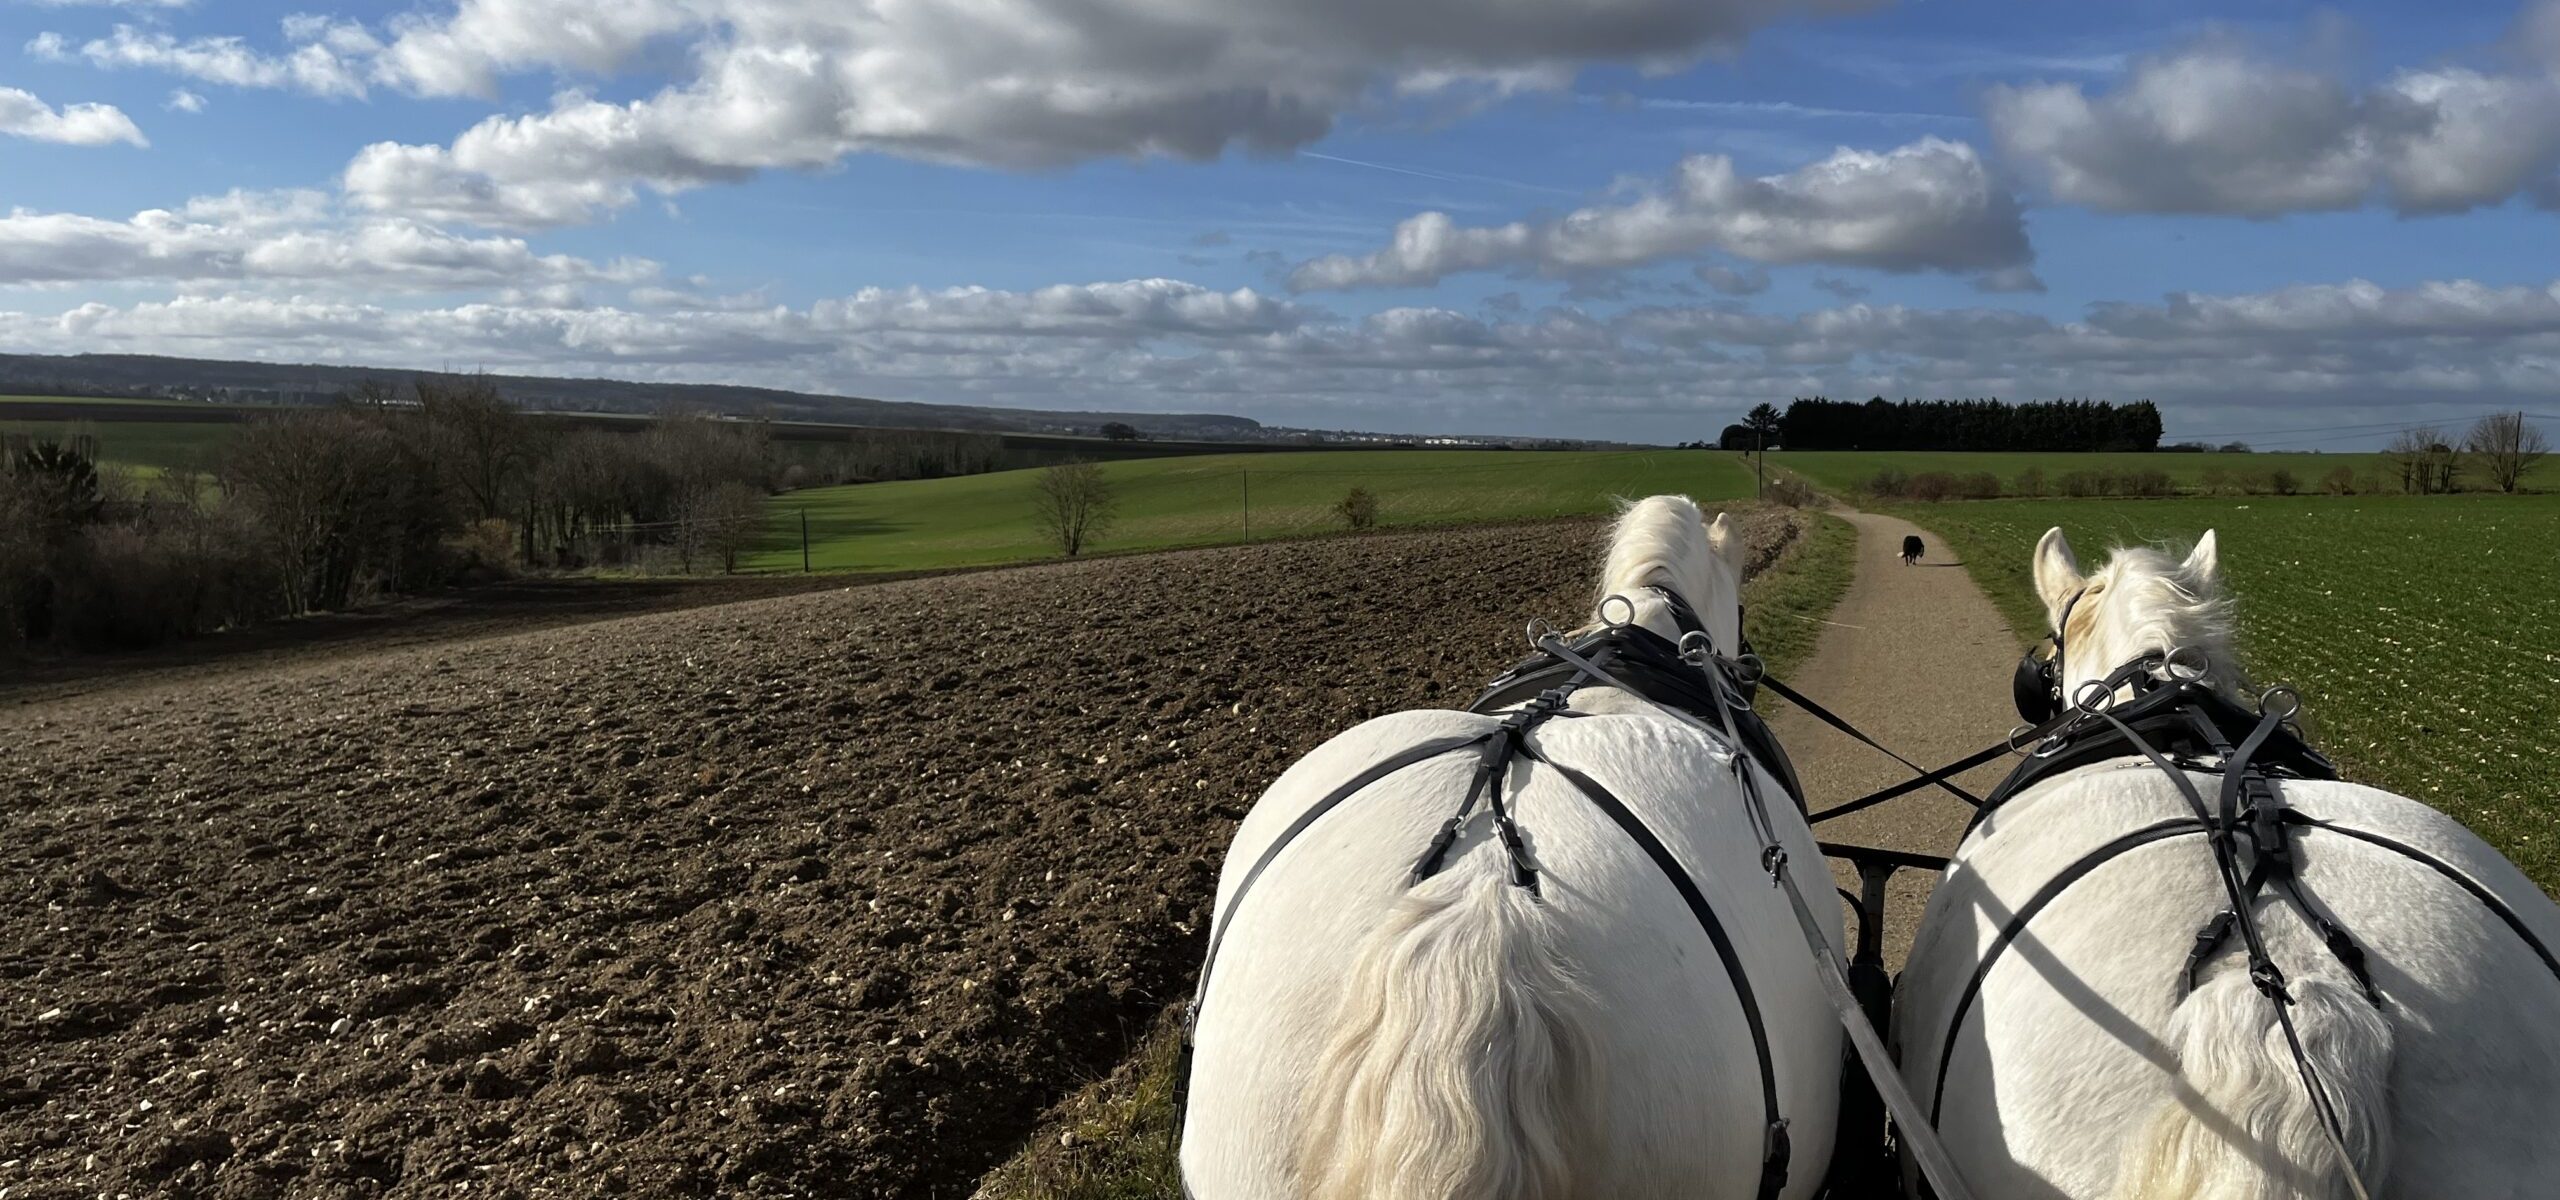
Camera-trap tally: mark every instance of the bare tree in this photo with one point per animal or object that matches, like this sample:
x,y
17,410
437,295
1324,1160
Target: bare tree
x,y
2422,459
732,521
2506,446
334,498
483,446
1073,505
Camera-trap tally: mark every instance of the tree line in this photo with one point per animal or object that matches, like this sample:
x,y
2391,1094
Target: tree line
x,y
388,491
2046,425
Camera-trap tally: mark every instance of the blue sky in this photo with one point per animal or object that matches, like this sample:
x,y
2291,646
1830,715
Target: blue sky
x,y
1623,218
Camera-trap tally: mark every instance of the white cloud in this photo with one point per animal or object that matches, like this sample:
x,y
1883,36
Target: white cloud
x,y
1138,307
22,114
1930,205
184,101
325,58
2218,128
279,237
1016,83
1169,345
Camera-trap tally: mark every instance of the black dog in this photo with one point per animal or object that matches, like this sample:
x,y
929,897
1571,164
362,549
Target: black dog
x,y
1912,549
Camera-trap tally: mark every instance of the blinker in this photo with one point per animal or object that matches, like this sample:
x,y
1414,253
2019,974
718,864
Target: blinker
x,y
2037,685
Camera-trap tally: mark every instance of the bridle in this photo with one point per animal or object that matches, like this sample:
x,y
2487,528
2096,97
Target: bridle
x,y
2037,685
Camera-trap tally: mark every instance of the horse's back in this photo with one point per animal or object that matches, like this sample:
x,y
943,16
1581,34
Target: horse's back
x,y
1680,1107
2061,1045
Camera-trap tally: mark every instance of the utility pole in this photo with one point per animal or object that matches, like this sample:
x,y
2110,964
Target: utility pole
x,y
804,541
1248,502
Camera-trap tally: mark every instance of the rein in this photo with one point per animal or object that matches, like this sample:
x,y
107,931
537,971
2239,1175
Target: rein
x,y
1691,679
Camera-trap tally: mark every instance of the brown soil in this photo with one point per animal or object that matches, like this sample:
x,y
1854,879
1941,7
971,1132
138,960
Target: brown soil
x,y
487,610
828,894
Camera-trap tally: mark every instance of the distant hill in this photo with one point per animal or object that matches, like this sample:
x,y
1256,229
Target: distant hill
x,y
145,375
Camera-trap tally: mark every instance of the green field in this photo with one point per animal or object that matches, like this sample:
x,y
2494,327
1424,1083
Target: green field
x,y
116,401
981,520
2423,632
1847,471
147,446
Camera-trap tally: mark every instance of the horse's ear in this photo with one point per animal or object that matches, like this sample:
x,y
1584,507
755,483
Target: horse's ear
x,y
2057,569
2204,563
1720,539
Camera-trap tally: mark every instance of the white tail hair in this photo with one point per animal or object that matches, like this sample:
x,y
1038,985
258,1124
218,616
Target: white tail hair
x,y
1459,1068
2242,1126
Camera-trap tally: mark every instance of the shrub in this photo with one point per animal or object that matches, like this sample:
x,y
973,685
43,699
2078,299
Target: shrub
x,y
1980,485
2339,482
2149,482
2030,482
2081,483
1359,510
1794,493
2216,481
167,577
2282,482
487,549
1889,484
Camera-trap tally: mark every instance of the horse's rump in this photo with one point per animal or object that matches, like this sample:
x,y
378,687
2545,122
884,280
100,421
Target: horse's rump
x,y
1668,1039
2039,1017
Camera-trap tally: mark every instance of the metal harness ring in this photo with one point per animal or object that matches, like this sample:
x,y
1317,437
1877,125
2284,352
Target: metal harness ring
x,y
1604,611
1697,648
2284,693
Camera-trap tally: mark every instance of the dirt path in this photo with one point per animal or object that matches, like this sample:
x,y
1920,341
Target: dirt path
x,y
1917,657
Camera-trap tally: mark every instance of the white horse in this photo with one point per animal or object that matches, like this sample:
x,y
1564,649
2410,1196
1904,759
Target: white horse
x,y
1361,1036
2085,1066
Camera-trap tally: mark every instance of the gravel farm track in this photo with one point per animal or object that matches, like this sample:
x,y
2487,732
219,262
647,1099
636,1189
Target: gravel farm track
x,y
820,895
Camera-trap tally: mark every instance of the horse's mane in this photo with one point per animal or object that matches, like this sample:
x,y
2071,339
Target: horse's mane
x,y
2174,610
1660,541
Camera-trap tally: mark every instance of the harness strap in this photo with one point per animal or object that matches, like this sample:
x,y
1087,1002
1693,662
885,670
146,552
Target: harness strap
x,y
1935,1165
1778,1150
2251,810
2263,971
1826,716
2478,891
1936,778
1349,788
2017,924
1489,782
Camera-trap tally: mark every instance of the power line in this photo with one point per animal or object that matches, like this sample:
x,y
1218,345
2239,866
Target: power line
x,y
2385,426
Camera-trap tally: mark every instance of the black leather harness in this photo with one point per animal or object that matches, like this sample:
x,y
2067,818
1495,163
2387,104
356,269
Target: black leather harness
x,y
2183,727
1704,686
